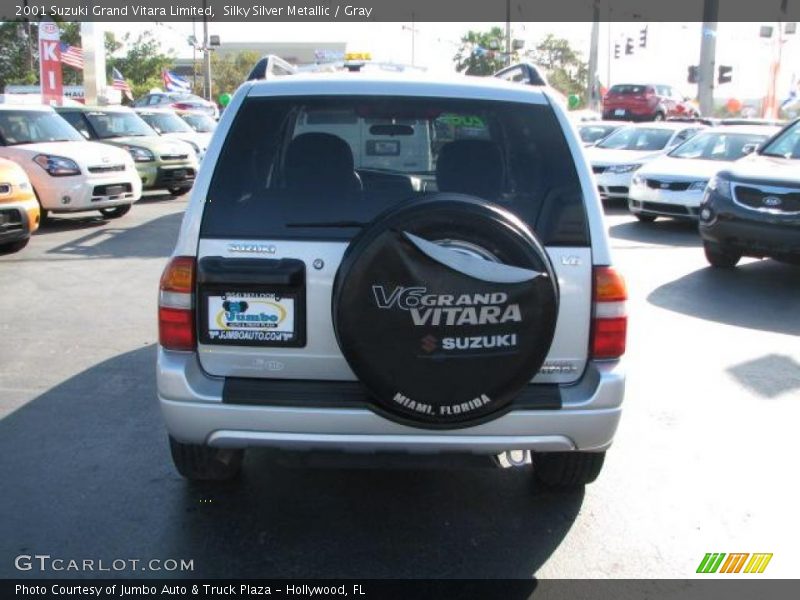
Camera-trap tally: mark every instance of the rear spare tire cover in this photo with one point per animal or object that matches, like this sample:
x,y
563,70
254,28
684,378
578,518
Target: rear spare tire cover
x,y
445,308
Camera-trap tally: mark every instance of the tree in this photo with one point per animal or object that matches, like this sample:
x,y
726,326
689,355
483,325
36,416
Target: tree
x,y
142,63
15,61
566,71
481,52
231,70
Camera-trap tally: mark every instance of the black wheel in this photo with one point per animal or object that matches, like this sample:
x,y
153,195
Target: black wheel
x,y
645,218
11,247
720,256
565,470
659,116
44,215
178,191
445,309
115,212
203,463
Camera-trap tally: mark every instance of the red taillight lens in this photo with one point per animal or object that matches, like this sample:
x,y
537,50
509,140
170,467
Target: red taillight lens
x,y
176,328
176,305
610,323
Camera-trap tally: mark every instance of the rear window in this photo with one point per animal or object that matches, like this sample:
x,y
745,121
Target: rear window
x,y
627,89
322,167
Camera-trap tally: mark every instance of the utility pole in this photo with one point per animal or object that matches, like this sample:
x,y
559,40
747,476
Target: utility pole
x,y
413,34
508,32
708,50
206,57
591,86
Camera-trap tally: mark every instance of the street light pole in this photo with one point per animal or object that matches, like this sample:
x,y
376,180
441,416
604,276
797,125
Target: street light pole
x,y
206,57
508,33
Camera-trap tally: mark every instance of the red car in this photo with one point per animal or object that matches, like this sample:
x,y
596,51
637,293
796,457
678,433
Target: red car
x,y
645,102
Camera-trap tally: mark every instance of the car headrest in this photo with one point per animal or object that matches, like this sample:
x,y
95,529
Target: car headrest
x,y
320,162
473,167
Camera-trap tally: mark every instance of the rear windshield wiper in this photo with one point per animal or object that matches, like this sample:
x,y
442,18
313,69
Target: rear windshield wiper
x,y
338,224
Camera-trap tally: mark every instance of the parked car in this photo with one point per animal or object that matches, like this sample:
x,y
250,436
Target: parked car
x,y
645,102
166,122
752,207
68,173
162,163
595,131
198,121
320,303
673,185
19,210
178,101
617,157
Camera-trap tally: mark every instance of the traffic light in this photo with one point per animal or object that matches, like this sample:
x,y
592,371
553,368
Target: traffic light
x,y
694,74
629,46
616,50
724,75
643,38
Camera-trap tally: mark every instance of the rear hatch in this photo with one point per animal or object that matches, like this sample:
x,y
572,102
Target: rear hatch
x,y
627,96
271,237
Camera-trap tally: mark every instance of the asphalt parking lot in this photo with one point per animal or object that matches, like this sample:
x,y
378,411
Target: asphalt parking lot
x,y
704,459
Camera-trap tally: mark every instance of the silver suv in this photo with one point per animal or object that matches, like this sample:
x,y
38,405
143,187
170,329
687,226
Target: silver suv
x,y
375,263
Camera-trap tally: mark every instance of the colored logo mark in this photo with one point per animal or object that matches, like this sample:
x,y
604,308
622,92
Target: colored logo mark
x,y
739,562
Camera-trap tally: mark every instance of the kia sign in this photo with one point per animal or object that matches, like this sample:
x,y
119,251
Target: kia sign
x,y
50,63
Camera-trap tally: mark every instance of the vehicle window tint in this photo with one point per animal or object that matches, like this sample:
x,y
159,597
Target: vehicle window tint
x,y
627,89
78,122
636,138
30,126
717,146
594,133
786,144
314,168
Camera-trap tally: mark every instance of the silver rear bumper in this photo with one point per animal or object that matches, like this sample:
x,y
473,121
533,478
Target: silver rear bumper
x,y
191,402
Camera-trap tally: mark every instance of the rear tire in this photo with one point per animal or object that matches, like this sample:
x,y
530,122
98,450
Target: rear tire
x,y
11,247
645,218
659,116
203,463
567,470
116,212
720,256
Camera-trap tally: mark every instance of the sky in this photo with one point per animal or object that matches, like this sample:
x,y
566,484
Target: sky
x,y
672,47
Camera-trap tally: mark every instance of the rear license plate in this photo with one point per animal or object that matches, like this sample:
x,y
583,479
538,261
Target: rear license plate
x,y
619,112
251,318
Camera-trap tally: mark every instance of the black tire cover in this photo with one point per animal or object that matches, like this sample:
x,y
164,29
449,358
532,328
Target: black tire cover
x,y
441,337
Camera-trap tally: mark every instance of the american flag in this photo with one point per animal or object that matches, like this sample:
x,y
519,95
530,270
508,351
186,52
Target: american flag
x,y
119,83
72,56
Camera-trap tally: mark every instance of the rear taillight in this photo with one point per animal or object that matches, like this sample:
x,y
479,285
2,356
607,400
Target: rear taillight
x,y
176,305
610,322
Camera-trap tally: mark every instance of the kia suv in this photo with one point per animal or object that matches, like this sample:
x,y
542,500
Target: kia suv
x,y
390,263
752,207
645,102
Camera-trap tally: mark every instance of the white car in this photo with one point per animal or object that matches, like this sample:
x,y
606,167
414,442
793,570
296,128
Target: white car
x,y
169,124
673,185
68,173
615,159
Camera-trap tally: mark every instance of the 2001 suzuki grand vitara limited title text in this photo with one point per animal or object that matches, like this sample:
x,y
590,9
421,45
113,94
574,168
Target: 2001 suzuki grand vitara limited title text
x,y
385,263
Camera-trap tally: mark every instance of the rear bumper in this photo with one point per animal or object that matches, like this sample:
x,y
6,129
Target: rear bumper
x,y
191,402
